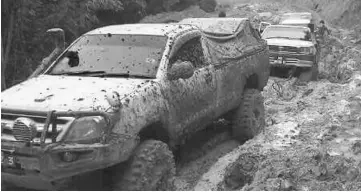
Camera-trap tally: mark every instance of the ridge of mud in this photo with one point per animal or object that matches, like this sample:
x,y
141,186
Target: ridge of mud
x,y
309,144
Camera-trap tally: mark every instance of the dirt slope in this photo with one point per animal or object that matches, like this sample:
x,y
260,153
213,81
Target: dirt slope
x,y
344,13
312,142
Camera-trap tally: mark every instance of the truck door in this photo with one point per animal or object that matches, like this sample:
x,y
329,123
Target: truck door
x,y
191,101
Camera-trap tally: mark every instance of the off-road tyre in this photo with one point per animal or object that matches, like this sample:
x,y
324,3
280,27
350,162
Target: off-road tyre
x,y
310,74
6,186
91,181
249,118
151,168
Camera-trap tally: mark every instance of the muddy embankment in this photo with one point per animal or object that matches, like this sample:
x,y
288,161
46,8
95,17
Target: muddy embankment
x,y
345,13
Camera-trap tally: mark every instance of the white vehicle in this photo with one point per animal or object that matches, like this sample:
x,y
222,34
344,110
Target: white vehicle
x,y
292,47
130,95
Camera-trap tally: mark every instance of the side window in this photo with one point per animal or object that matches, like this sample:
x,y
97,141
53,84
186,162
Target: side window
x,y
190,51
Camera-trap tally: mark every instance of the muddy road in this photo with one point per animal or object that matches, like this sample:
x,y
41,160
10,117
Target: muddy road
x,y
312,140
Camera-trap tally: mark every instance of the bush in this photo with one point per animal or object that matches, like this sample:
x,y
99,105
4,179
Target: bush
x,y
208,5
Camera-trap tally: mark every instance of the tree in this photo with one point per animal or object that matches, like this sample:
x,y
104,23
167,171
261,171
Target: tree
x,y
208,5
8,15
24,23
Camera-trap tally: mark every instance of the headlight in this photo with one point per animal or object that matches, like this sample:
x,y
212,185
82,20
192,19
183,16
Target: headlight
x,y
86,129
308,50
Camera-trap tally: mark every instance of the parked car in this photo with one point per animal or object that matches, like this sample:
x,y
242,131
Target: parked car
x,y
130,95
292,47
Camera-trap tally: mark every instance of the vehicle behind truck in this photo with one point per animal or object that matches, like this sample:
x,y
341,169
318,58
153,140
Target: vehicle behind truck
x,y
114,107
292,49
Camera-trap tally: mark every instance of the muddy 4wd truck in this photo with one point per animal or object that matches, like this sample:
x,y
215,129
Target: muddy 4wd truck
x,y
292,47
120,99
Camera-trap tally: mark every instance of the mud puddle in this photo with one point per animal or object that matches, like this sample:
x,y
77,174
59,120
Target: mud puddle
x,y
201,152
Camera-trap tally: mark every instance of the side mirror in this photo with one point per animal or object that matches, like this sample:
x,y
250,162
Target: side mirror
x,y
59,37
59,40
312,27
263,26
181,70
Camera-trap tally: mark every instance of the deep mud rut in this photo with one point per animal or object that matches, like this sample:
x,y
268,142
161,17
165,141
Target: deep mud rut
x,y
312,142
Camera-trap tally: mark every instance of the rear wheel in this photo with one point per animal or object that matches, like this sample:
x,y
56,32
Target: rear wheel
x,y
91,181
151,168
249,119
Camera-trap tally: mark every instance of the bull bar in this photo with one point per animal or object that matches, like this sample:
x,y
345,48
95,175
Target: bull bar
x,y
51,118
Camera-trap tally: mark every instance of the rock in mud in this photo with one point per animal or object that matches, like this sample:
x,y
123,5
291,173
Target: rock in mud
x,y
356,148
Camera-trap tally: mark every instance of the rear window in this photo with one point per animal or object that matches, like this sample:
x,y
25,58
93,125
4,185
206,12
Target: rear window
x,y
287,33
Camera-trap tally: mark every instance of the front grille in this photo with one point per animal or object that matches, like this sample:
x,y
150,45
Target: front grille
x,y
291,61
286,60
12,130
286,49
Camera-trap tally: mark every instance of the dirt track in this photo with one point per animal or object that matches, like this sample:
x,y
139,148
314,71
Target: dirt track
x,y
313,136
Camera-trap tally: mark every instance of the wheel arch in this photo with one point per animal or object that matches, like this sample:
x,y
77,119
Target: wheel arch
x,y
252,82
156,131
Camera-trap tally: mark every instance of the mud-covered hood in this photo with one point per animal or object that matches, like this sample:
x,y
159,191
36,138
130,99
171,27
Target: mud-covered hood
x,y
47,92
289,42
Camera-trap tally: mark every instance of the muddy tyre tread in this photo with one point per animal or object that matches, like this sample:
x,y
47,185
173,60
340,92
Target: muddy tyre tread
x,y
243,126
310,74
314,72
81,182
140,172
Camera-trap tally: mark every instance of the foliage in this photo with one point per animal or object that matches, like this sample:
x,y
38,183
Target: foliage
x,y
24,22
29,43
105,5
208,5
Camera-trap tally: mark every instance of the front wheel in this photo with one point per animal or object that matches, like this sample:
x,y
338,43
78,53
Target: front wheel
x,y
310,74
151,168
249,119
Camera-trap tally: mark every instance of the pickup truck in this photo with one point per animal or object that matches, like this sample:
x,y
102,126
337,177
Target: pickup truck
x,y
292,48
121,99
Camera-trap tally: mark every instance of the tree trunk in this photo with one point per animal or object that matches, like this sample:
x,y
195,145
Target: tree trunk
x,y
5,56
3,84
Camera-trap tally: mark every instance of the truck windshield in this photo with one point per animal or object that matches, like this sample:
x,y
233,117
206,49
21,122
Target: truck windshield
x,y
287,33
133,55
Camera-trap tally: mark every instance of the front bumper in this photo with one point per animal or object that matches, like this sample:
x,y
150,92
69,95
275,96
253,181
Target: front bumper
x,y
42,169
26,181
291,60
42,166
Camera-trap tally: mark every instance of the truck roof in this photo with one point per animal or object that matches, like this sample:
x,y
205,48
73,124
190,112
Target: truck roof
x,y
288,26
298,13
142,29
216,25
297,18
295,21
